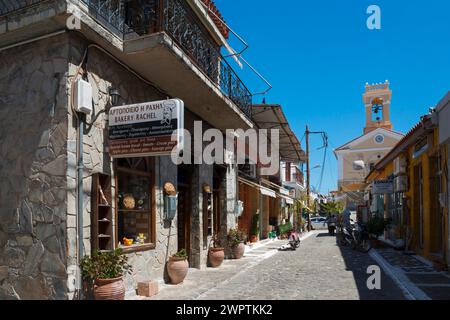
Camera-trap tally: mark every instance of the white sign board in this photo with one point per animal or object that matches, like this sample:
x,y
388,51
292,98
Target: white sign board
x,y
145,129
382,187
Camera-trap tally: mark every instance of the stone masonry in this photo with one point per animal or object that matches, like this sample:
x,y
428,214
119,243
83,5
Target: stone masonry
x,y
33,165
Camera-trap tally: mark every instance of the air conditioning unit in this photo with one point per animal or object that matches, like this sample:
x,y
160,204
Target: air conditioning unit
x,y
400,165
401,184
83,97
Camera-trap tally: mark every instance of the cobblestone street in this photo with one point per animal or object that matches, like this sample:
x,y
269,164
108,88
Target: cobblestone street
x,y
318,270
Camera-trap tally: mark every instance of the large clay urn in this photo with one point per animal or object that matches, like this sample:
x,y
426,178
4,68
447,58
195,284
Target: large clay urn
x,y
216,256
109,289
177,268
238,251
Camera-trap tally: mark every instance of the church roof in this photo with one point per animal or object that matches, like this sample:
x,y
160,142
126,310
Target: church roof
x,y
392,133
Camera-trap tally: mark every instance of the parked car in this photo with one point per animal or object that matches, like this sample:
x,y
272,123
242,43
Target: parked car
x,y
319,223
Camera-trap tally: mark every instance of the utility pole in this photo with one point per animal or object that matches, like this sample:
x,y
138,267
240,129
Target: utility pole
x,y
308,186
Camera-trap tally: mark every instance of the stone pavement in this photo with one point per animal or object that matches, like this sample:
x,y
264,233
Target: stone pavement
x,y
319,269
415,275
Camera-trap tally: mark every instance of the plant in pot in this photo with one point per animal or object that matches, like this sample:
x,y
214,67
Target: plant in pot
x,y
376,227
178,267
236,241
105,270
255,228
216,252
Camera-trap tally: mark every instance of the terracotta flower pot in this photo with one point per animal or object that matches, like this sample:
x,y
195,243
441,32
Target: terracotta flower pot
x,y
254,239
238,251
216,256
177,268
109,289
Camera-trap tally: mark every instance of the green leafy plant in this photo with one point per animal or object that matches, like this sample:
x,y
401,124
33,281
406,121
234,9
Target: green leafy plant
x,y
235,237
181,254
285,228
255,225
377,225
216,242
105,265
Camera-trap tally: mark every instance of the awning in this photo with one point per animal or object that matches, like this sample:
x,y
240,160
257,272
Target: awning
x,y
289,200
264,191
267,192
268,116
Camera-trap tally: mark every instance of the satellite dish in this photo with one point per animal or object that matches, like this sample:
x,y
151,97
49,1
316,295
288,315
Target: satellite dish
x,y
359,165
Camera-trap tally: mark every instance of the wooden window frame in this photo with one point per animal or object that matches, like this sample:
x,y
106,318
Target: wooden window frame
x,y
152,220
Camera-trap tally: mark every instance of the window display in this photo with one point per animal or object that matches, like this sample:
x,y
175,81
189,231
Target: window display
x,y
134,209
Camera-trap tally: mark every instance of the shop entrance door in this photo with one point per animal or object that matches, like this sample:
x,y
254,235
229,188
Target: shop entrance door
x,y
436,208
219,176
184,209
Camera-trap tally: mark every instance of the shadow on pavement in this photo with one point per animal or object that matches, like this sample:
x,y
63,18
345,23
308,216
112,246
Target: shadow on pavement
x,y
358,264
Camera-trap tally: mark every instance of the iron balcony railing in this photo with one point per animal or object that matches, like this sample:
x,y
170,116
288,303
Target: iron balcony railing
x,y
131,19
10,6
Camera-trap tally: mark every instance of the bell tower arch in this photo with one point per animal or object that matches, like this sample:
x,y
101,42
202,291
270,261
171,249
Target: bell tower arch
x,y
377,101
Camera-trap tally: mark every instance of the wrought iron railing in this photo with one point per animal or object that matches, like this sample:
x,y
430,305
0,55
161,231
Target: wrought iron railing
x,y
132,19
10,6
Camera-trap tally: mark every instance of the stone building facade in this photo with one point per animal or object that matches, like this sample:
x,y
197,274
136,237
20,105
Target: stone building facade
x,y
38,162
39,224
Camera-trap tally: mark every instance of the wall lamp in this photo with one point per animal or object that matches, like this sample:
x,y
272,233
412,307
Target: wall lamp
x,y
114,95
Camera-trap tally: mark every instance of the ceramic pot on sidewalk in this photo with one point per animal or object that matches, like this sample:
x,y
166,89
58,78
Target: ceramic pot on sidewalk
x,y
177,268
109,289
216,257
238,251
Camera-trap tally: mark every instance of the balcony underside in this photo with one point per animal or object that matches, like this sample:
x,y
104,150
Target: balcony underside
x,y
161,61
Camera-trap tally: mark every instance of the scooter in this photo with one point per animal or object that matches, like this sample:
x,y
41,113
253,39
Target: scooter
x,y
294,242
357,238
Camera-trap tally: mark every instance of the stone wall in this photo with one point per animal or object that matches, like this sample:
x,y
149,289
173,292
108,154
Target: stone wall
x,y
103,72
33,161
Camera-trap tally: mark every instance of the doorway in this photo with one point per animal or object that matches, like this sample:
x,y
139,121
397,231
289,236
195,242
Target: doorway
x,y
218,180
418,205
184,208
436,209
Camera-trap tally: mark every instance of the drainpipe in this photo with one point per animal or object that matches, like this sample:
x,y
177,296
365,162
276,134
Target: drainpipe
x,y
80,198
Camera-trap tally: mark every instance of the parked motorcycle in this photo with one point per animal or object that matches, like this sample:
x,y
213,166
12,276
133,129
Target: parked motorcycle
x,y
357,238
294,240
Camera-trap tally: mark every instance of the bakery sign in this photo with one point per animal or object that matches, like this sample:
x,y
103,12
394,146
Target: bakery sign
x,y
145,129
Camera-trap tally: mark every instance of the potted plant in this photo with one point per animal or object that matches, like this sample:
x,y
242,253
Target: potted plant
x,y
376,227
178,266
236,241
105,270
255,228
216,253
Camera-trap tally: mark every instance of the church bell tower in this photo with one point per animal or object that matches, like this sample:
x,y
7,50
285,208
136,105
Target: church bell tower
x,y
377,100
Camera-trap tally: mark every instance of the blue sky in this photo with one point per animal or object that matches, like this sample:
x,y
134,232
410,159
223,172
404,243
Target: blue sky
x,y
318,55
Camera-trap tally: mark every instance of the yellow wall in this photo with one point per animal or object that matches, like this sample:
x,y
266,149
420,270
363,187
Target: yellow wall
x,y
429,229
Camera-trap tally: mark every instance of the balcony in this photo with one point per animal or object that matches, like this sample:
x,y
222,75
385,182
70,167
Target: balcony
x,y
173,43
144,26
10,6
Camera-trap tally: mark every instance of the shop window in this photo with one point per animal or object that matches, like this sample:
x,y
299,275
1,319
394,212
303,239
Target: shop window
x,y
135,211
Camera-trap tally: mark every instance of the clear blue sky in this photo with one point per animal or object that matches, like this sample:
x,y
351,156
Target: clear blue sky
x,y
318,55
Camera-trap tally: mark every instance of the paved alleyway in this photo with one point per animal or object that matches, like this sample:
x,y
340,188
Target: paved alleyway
x,y
318,270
